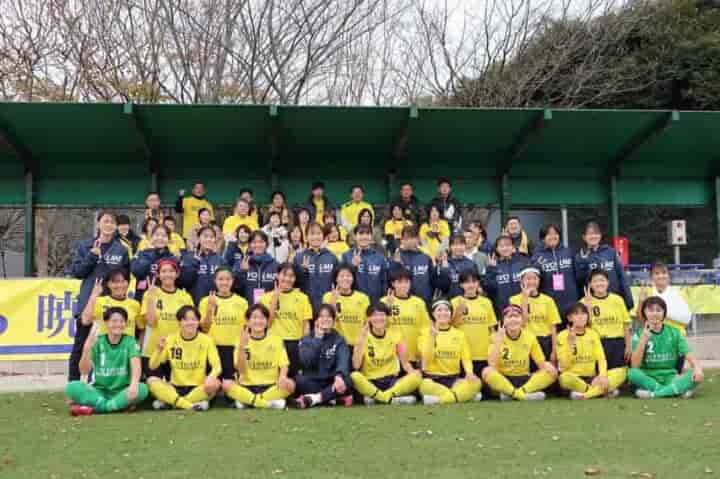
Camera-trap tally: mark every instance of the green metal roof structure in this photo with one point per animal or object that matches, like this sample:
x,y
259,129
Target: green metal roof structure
x,y
112,154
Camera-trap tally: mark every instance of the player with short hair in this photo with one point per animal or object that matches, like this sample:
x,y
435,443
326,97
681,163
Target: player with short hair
x,y
112,294
114,357
350,305
188,352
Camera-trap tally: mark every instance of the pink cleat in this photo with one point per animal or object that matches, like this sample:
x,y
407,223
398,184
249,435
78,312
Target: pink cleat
x,y
346,401
78,410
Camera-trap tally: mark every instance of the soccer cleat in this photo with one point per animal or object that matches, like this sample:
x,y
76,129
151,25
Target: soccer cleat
x,y
576,396
346,401
368,401
688,394
276,404
613,394
538,396
201,406
239,405
478,397
430,400
505,397
78,410
402,400
303,402
643,394
158,405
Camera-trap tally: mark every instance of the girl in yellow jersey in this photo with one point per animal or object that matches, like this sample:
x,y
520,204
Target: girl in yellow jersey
x,y
445,350
408,314
188,353
377,358
290,313
511,351
474,315
394,227
435,233
158,313
582,359
333,241
262,364
116,285
350,305
223,319
175,242
610,319
146,237
540,313
330,218
241,216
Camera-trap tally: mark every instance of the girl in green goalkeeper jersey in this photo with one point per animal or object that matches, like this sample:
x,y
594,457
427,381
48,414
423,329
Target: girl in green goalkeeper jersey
x,y
659,354
115,359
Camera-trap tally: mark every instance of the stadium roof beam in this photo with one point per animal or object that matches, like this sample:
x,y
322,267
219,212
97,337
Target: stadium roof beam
x,y
275,150
138,126
399,150
17,147
645,135
530,132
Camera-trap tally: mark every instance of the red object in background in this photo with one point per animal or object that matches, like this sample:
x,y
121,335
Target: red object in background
x,y
622,246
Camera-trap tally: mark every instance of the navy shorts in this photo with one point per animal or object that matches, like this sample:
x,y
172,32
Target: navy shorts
x,y
614,352
478,366
259,389
162,372
183,390
545,343
518,381
293,352
384,383
226,361
446,381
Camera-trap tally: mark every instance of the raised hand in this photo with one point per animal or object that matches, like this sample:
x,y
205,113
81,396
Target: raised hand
x,y
92,337
390,298
500,335
397,257
212,300
161,344
245,263
96,248
357,258
462,307
444,259
492,260
97,288
335,295
587,298
244,337
306,263
152,287
181,192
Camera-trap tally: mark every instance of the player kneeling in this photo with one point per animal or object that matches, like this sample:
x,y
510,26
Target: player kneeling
x,y
262,363
659,354
115,359
444,349
189,352
509,358
582,359
377,357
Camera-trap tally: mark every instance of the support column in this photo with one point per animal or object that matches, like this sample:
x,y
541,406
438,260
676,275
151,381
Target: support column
x,y
391,180
564,226
29,223
154,181
505,199
717,214
614,207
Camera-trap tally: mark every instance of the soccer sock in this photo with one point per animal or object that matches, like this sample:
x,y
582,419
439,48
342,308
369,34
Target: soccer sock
x,y
573,382
365,387
499,383
616,377
245,396
466,390
119,401
537,382
198,394
642,380
274,393
405,385
428,387
83,394
677,386
166,393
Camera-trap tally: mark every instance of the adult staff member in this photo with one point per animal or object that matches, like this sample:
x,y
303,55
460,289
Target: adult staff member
x,y
190,207
448,206
559,277
94,259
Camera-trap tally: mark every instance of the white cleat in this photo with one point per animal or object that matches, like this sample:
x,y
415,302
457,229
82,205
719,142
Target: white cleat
x,y
276,404
403,400
478,397
576,396
643,394
158,405
613,394
201,406
688,394
431,400
538,396
369,401
505,397
239,405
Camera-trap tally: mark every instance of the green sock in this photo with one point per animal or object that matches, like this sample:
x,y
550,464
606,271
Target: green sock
x,y
677,386
119,401
642,380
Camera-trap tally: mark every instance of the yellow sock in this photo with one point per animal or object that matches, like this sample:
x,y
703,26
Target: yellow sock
x,y
273,393
166,393
573,382
245,396
499,383
537,382
466,390
364,386
616,377
197,394
405,385
428,387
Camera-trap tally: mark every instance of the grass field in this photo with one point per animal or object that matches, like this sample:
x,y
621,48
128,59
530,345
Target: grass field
x,y
557,438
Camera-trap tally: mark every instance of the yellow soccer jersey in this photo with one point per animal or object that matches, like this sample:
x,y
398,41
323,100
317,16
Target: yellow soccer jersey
x,y
176,244
586,359
515,354
264,358
411,318
338,248
350,211
432,245
188,359
167,307
380,357
290,317
450,351
232,223
228,319
542,313
394,227
609,316
173,246
319,210
131,307
477,324
191,206
350,311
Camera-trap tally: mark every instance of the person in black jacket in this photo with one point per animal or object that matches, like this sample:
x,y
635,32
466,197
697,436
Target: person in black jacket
x,y
408,202
325,364
126,235
448,206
